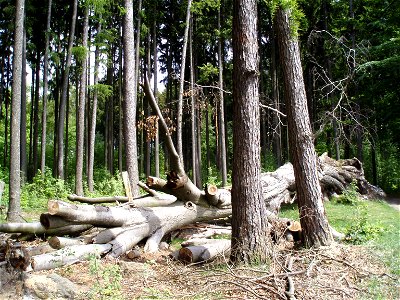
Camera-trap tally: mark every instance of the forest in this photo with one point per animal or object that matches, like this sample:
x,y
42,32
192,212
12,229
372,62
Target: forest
x,y
222,105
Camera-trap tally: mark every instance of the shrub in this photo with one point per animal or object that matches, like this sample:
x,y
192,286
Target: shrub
x,y
362,230
350,195
35,195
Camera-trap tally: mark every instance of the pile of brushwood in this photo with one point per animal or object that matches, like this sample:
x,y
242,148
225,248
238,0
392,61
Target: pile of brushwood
x,y
115,225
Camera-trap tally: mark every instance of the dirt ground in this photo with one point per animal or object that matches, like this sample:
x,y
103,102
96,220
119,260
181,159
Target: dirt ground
x,y
393,202
335,272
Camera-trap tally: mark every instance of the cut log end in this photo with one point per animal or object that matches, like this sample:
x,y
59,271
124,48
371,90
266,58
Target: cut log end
x,y
185,256
294,226
211,189
52,207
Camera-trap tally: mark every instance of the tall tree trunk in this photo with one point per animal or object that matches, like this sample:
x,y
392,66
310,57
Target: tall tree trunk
x,y
6,104
63,100
14,205
45,90
313,219
56,95
120,123
31,120
92,133
80,121
221,109
156,141
250,235
277,135
36,117
130,98
179,121
192,107
148,108
24,163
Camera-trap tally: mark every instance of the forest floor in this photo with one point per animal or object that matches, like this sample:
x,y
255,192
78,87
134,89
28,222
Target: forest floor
x,y
341,271
336,272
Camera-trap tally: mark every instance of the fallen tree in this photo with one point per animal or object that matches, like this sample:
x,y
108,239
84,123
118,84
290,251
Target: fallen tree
x,y
178,203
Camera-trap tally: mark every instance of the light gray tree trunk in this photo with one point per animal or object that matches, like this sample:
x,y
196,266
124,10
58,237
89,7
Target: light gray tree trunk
x,y
14,206
24,163
92,133
80,121
130,98
221,109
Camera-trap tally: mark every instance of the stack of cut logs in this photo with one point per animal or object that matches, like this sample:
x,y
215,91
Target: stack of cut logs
x,y
76,231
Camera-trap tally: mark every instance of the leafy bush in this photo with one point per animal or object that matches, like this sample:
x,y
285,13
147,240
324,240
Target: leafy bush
x,y
350,195
106,184
35,195
362,229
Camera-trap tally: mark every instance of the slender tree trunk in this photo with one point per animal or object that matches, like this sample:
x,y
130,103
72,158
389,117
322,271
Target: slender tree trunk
x,y
56,93
31,120
250,235
313,219
92,133
192,107
45,90
24,163
80,121
277,135
130,98
14,206
156,141
63,100
221,105
179,121
36,117
120,123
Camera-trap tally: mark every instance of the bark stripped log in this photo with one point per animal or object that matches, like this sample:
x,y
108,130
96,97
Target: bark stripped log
x,y
134,224
144,201
68,255
36,228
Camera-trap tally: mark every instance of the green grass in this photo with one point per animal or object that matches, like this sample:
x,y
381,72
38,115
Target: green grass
x,y
372,224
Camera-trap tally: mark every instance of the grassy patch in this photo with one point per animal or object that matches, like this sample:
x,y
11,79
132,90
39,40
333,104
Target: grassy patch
x,y
373,224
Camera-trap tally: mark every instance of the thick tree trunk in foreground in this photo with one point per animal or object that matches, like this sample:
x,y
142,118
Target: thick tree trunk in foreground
x,y
313,218
250,234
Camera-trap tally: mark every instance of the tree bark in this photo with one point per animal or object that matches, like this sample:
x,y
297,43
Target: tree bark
x,y
181,84
14,207
250,234
92,132
67,256
313,218
221,119
45,90
80,121
64,95
130,98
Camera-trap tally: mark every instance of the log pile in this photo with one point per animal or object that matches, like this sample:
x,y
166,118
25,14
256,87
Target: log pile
x,y
116,229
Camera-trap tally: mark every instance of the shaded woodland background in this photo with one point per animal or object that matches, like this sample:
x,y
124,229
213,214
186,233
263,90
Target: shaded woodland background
x,y
350,55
